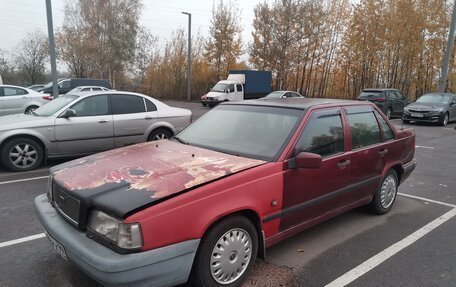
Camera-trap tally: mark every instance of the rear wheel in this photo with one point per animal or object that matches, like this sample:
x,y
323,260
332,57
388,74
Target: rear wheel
x,y
227,254
159,134
386,194
30,109
22,154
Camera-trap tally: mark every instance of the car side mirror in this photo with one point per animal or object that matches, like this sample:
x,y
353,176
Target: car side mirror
x,y
69,113
306,160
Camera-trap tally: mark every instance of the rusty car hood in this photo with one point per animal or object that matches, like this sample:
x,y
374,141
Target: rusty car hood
x,y
126,179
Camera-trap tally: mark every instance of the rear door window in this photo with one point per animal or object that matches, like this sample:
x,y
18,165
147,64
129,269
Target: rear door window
x,y
323,134
10,91
127,104
371,95
364,129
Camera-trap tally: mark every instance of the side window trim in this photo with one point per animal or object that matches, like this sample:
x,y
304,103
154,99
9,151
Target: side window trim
x,y
361,110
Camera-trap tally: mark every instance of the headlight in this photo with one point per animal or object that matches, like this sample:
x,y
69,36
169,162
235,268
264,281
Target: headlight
x,y
125,236
436,110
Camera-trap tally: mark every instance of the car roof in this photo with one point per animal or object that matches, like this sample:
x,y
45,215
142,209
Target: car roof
x,y
379,89
297,103
85,87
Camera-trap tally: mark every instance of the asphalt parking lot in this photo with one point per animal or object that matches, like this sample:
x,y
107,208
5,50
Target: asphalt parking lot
x,y
413,245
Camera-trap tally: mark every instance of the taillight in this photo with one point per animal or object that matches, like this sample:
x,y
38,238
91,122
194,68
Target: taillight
x,y
49,98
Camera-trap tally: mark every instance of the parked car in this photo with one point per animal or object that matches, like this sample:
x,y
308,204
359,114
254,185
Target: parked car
x,y
83,89
75,125
435,107
35,87
390,101
282,95
15,99
66,85
202,205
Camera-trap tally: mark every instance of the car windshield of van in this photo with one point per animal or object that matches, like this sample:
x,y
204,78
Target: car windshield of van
x,y
48,85
54,106
370,95
251,131
220,88
434,98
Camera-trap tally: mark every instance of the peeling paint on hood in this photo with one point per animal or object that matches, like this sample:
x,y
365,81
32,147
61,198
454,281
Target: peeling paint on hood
x,y
158,169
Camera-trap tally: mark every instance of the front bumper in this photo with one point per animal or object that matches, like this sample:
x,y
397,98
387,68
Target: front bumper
x,y
430,117
165,266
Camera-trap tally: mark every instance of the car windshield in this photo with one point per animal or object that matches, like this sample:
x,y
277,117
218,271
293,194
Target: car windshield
x,y
434,98
371,95
251,131
274,95
219,88
53,106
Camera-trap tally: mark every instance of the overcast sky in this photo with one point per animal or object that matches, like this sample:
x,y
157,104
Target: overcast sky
x,y
18,17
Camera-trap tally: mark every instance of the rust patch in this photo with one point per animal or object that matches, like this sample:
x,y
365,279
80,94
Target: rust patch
x,y
163,168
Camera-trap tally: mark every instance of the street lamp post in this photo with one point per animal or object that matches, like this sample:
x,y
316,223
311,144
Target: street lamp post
x,y
189,54
449,50
50,25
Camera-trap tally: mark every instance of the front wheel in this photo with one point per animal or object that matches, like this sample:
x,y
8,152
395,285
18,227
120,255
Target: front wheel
x,y
30,109
445,120
227,254
159,134
22,154
385,196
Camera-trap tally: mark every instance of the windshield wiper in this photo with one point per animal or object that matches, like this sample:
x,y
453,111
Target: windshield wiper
x,y
180,140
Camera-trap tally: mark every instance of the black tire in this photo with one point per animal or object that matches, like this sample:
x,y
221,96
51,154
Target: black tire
x,y
204,104
22,154
445,119
386,194
389,113
30,109
159,134
206,258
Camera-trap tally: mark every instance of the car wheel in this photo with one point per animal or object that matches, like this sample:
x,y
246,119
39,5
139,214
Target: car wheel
x,y
445,119
388,113
30,109
204,104
226,254
384,197
159,134
22,154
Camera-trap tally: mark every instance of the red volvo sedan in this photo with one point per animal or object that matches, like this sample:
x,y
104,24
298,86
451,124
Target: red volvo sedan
x,y
203,205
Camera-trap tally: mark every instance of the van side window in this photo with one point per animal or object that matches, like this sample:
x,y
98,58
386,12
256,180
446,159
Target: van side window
x,y
66,84
323,134
231,87
239,88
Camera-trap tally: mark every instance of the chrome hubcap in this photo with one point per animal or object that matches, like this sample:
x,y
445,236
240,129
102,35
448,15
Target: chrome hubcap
x,y
23,155
231,256
388,191
445,120
388,113
160,137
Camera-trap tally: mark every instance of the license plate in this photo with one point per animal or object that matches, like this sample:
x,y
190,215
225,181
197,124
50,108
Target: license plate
x,y
57,246
415,115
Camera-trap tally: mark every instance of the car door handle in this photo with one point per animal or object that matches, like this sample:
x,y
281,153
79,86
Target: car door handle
x,y
149,118
382,152
343,163
103,121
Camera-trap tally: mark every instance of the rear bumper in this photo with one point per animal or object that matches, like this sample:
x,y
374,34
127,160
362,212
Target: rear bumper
x,y
408,169
166,266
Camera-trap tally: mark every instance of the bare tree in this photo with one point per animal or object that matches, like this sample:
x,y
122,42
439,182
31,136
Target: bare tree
x,y
224,45
31,56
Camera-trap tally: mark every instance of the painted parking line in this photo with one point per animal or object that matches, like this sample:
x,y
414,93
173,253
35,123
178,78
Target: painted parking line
x,y
427,200
426,147
387,253
25,179
21,240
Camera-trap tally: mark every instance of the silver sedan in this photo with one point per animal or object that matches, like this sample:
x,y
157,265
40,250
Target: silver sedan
x,y
15,99
76,125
